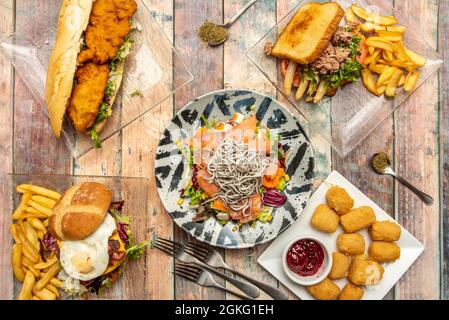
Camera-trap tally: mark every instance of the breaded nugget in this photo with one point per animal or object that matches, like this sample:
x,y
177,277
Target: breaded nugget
x,y
325,219
340,266
325,290
385,231
383,251
339,200
351,292
87,95
351,244
358,219
365,272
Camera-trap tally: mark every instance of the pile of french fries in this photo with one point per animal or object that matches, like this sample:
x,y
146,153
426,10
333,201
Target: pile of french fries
x,y
38,274
388,57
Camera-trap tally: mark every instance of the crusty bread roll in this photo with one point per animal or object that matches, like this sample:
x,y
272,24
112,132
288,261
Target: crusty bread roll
x,y
80,211
73,20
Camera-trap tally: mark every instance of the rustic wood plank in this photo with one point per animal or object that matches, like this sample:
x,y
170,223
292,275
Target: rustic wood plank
x,y
6,129
138,160
35,147
416,154
240,72
444,144
356,166
206,64
321,146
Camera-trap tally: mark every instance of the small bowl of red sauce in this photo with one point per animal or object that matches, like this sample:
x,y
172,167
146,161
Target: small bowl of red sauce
x,y
306,260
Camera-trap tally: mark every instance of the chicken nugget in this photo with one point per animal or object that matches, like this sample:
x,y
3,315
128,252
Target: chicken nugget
x,y
325,219
385,231
365,272
325,290
340,266
339,200
351,292
382,251
358,219
351,244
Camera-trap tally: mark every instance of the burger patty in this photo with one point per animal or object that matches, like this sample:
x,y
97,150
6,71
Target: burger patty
x,y
109,24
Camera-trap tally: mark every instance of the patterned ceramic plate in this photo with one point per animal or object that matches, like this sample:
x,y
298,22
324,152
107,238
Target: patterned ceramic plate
x,y
172,170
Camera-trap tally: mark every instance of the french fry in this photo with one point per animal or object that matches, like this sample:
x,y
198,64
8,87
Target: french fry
x,y
410,81
44,294
37,224
398,29
39,207
392,85
387,55
290,75
390,35
378,42
53,289
38,190
56,282
44,265
368,81
40,234
367,27
51,273
30,268
416,58
402,81
381,20
378,68
360,12
399,51
22,206
34,298
27,286
45,223
350,16
34,213
381,90
302,88
13,229
31,234
46,202
373,57
320,92
28,248
16,261
385,76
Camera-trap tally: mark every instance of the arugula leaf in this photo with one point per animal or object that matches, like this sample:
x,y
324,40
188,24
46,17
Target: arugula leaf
x,y
196,197
135,252
354,46
112,65
350,72
120,217
205,121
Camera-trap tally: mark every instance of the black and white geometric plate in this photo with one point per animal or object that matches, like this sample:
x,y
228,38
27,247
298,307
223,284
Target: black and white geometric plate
x,y
172,170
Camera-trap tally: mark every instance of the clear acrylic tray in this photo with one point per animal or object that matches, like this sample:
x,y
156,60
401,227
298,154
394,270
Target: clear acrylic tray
x,y
348,117
150,68
134,191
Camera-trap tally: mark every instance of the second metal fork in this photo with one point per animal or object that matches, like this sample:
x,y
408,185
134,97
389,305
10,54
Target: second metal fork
x,y
188,256
203,278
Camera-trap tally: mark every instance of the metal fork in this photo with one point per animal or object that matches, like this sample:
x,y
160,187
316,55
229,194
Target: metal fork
x,y
203,278
188,256
214,259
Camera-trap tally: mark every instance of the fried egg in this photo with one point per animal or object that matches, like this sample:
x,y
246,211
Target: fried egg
x,y
87,259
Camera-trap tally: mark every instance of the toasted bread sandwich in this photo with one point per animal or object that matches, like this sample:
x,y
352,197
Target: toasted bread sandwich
x,y
309,32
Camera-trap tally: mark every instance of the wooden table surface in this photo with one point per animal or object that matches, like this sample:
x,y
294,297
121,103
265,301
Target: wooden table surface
x,y
417,137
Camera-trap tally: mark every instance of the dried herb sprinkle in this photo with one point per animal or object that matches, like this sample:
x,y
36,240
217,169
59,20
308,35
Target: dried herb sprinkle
x,y
380,161
212,33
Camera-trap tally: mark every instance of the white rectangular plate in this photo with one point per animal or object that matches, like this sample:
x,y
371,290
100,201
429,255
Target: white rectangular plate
x,y
411,248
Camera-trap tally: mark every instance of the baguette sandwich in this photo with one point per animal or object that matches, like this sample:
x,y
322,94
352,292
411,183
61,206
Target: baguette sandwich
x,y
317,55
86,64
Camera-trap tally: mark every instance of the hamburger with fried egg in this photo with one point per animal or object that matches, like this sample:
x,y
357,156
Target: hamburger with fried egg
x,y
91,238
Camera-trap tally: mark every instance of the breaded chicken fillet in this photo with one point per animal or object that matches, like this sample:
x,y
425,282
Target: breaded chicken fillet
x,y
87,95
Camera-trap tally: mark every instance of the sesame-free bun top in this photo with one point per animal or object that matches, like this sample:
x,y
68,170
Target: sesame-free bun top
x,y
80,211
